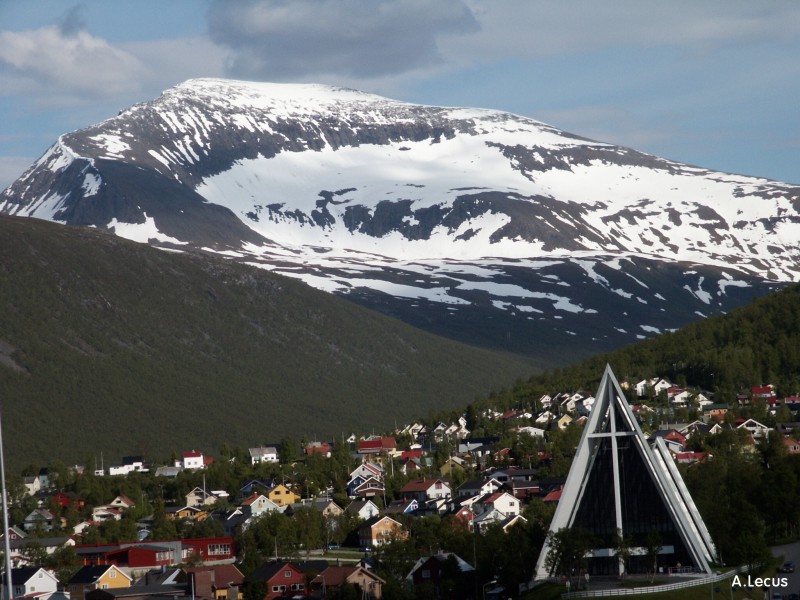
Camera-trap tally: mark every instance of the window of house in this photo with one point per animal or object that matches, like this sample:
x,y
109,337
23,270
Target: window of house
x,y
218,549
276,588
287,573
112,574
426,574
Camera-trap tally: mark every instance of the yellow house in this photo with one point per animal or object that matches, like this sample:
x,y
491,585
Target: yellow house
x,y
380,530
189,513
96,577
282,496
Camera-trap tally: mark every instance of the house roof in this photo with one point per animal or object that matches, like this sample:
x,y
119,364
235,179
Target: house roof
x,y
336,576
377,519
268,570
223,574
421,485
20,575
91,573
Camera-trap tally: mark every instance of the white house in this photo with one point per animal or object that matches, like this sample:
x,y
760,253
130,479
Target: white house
x,y
192,461
263,454
363,509
531,431
33,582
756,429
258,504
502,502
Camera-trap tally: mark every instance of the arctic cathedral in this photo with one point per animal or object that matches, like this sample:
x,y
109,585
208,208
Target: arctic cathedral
x,y
618,483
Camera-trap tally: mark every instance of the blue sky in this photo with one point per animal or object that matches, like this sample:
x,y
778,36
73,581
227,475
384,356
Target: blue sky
x,y
711,83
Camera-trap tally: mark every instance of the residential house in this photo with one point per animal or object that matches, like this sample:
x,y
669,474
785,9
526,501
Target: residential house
x,y
65,500
531,431
186,513
378,445
662,385
332,579
169,472
369,488
564,422
446,575
200,497
363,509
463,518
129,465
14,534
716,410
512,520
673,438
258,504
263,454
453,464
280,495
502,502
402,506
379,530
513,474
545,417
218,582
191,461
792,445
282,579
32,582
477,487
677,396
112,510
756,429
366,470
688,458
426,490
40,519
764,393
92,577
32,483
20,548
328,508
321,448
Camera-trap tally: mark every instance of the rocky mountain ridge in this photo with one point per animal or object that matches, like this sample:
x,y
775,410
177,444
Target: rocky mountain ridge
x,y
484,226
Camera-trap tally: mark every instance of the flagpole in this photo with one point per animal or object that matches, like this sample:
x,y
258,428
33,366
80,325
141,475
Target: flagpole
x,y
9,593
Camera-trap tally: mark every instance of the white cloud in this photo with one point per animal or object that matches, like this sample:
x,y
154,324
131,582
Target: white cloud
x,y
48,60
274,39
541,28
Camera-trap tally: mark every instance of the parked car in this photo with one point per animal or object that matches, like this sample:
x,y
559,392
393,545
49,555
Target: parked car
x,y
787,567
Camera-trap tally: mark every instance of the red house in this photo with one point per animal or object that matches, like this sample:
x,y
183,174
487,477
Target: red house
x,y
377,445
282,579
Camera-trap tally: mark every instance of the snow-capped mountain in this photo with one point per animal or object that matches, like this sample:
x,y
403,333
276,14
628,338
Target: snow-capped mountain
x,y
478,224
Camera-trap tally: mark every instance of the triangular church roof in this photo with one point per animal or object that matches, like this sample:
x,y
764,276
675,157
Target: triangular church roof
x,y
617,482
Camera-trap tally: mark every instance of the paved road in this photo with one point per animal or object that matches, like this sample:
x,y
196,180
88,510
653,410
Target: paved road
x,y
790,552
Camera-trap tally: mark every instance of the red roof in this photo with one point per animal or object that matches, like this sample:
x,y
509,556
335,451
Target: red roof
x,y
384,443
411,454
420,485
554,496
192,454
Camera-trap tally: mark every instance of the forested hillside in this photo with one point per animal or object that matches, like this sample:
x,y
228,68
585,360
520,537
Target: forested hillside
x,y
113,347
756,344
